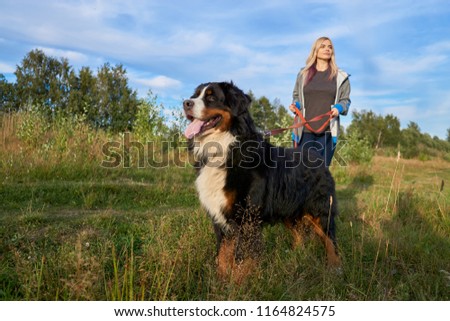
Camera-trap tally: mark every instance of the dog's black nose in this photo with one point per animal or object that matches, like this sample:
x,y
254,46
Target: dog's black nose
x,y
188,104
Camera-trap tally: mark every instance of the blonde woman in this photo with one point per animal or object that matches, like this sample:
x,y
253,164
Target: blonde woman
x,y
320,86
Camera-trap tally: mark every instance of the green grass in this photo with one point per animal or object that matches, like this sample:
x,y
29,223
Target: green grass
x,y
120,238
71,230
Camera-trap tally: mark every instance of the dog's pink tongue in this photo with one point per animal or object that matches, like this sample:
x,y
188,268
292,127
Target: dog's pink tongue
x,y
193,128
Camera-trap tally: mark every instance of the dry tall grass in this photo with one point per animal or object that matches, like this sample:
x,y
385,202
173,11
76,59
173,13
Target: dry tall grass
x,y
72,230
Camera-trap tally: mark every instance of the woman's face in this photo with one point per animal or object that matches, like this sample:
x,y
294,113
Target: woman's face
x,y
325,50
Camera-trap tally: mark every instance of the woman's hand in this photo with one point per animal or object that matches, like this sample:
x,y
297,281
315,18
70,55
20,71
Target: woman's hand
x,y
292,108
334,112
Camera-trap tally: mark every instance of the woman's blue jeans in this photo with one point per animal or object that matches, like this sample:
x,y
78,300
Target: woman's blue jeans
x,y
321,144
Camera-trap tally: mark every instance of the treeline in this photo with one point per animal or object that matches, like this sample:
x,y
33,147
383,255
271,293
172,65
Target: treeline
x,y
384,133
52,85
105,100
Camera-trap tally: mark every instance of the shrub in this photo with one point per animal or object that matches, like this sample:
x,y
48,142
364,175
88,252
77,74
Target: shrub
x,y
33,126
356,148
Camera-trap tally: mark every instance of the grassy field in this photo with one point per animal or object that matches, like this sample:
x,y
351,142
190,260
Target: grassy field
x,y
71,229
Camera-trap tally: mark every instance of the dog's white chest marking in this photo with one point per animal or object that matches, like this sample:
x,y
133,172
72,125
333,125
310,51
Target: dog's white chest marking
x,y
211,181
210,184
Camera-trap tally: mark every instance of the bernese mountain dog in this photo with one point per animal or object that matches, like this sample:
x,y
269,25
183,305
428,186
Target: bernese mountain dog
x,y
243,181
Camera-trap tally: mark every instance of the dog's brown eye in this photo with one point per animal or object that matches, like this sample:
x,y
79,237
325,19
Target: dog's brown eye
x,y
210,98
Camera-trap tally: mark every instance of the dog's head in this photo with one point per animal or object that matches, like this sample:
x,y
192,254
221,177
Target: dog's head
x,y
215,107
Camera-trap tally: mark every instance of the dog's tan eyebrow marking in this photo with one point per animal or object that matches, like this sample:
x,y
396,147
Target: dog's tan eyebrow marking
x,y
202,94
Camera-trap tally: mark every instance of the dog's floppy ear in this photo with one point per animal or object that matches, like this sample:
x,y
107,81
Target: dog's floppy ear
x,y
235,98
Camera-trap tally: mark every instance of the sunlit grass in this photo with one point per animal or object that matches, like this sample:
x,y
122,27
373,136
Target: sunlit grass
x,y
72,230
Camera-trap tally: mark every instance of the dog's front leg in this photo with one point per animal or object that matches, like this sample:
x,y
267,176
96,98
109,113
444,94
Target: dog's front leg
x,y
219,236
226,251
248,250
226,257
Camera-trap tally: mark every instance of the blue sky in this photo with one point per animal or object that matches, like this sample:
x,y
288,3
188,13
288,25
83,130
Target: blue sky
x,y
398,52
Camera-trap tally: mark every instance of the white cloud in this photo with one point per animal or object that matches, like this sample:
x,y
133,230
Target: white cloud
x,y
404,112
72,56
370,93
439,46
6,68
235,49
159,82
439,106
404,66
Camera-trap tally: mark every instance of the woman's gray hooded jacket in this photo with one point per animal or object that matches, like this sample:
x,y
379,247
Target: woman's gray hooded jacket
x,y
342,99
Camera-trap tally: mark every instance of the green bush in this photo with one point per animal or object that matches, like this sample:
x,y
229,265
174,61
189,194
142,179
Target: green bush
x,y
33,127
356,149
149,123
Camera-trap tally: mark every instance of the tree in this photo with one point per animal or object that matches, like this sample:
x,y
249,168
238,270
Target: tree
x,y
410,140
378,130
284,119
117,103
149,122
263,112
448,135
83,95
43,81
7,95
52,86
390,131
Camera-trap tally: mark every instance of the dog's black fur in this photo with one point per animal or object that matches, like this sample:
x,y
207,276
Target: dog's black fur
x,y
238,169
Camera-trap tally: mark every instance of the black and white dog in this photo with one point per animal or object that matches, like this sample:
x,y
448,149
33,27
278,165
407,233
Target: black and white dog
x,y
238,170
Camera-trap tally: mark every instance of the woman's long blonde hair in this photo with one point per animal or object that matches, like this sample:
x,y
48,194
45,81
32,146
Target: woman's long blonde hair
x,y
310,67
